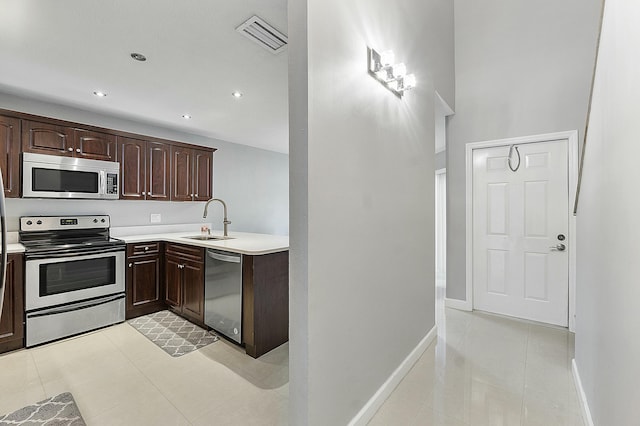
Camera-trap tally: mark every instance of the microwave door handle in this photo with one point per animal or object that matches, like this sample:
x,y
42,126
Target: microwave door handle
x,y
103,184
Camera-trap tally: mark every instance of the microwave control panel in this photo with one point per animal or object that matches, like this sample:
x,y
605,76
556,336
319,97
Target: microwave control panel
x,y
112,183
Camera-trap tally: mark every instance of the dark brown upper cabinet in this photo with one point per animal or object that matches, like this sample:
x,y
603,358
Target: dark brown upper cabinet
x,y
10,158
94,145
44,138
52,139
158,171
144,169
202,175
192,178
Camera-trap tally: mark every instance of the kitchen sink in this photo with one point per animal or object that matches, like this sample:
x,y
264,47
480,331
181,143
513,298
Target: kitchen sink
x,y
208,237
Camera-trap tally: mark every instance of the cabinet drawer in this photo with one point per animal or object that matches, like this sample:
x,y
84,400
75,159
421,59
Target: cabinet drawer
x,y
138,249
186,252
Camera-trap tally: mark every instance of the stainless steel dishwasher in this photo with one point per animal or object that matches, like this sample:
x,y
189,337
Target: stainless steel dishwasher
x,y
223,293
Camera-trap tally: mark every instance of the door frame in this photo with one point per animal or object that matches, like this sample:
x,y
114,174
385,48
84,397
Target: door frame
x,y
572,138
441,210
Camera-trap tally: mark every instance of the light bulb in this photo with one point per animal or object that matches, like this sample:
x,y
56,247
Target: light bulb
x,y
386,58
399,70
382,75
409,81
393,85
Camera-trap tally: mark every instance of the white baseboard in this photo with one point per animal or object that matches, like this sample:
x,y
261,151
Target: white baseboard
x,y
461,305
373,405
584,405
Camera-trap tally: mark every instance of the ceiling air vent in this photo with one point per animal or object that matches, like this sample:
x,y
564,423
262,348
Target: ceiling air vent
x,y
265,35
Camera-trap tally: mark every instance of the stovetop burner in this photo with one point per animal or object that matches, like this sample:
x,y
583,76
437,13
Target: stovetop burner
x,y
60,235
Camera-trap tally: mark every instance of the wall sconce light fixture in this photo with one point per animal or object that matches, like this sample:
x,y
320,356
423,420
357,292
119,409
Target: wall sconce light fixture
x,y
393,76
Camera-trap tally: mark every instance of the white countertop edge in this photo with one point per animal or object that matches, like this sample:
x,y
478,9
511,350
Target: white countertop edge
x,y
241,242
15,248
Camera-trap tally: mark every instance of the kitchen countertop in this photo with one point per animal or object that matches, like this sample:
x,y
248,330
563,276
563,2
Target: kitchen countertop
x,y
240,242
15,248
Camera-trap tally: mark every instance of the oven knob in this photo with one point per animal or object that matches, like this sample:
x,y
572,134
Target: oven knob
x,y
29,222
102,220
39,222
95,220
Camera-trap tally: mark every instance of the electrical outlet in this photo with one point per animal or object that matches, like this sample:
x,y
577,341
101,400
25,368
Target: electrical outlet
x,y
155,218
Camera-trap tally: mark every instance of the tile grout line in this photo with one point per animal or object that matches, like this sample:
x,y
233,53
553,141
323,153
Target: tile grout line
x,y
524,382
146,377
35,364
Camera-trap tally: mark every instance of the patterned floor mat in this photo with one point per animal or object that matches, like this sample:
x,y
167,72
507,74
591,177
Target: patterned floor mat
x,y
60,410
173,334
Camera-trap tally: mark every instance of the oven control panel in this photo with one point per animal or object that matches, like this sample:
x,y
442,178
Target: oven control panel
x,y
51,223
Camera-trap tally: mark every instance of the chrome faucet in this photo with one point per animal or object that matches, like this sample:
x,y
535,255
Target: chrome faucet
x,y
225,221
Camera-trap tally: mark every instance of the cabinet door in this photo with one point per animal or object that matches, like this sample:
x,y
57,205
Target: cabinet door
x,y
94,145
132,156
144,289
182,174
203,175
193,290
158,171
10,158
42,138
11,321
173,281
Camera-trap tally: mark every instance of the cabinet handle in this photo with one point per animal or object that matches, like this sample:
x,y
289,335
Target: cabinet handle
x,y
144,193
70,149
146,248
78,150
130,265
196,195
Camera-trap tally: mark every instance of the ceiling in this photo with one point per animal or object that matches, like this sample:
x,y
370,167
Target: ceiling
x,y
64,50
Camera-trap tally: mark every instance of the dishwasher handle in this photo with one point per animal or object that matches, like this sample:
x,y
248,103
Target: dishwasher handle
x,y
223,257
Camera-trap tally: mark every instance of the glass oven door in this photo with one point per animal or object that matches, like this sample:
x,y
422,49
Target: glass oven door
x,y
59,280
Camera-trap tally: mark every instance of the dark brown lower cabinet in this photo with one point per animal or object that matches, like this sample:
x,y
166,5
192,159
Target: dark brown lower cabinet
x,y
184,280
12,317
144,281
265,302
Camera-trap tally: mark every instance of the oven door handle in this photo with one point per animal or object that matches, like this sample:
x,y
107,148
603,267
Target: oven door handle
x,y
75,306
74,253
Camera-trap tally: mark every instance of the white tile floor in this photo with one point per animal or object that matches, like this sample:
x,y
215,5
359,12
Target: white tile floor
x,y
118,377
488,370
483,370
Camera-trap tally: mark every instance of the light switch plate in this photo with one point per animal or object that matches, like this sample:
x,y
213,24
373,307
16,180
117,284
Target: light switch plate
x,y
155,218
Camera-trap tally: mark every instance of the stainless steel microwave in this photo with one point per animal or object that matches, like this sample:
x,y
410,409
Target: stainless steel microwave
x,y
50,176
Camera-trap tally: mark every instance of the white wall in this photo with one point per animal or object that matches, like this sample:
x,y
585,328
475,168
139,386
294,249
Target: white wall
x,y
522,68
253,182
607,318
362,197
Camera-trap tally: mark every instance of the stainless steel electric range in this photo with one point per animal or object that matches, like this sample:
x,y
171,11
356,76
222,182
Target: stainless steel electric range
x,y
74,276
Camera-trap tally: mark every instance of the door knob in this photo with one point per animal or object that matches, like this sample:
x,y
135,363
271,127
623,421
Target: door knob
x,y
559,247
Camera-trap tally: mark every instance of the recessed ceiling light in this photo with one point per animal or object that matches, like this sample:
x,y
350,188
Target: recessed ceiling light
x,y
139,57
186,116
237,94
99,94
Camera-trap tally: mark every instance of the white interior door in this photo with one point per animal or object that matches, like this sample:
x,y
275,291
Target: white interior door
x,y
520,231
